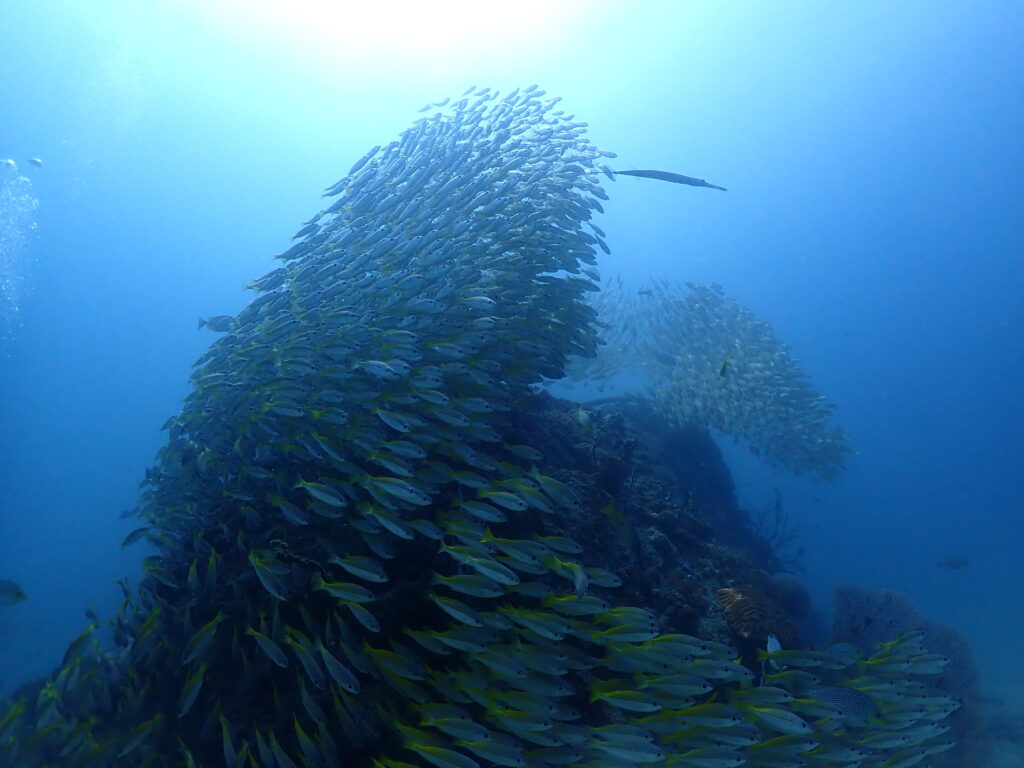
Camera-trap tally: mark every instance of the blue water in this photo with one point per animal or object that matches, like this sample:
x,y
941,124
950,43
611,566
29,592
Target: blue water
x,y
875,218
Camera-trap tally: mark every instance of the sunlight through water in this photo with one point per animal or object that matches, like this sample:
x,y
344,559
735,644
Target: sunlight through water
x,y
392,37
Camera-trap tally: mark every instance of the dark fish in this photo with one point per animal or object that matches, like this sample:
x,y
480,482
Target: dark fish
x,y
849,702
134,536
217,323
954,562
675,178
10,593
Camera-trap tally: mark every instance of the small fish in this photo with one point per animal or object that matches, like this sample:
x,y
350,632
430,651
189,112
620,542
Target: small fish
x,y
772,646
469,584
265,570
134,536
846,701
632,751
505,499
781,720
217,323
482,564
10,593
400,489
457,610
402,664
634,701
365,568
364,617
139,735
524,452
675,178
303,650
344,590
280,756
442,756
341,674
953,562
201,639
190,690
37,162
309,749
801,658
322,492
580,579
725,367
561,544
713,757
309,228
292,513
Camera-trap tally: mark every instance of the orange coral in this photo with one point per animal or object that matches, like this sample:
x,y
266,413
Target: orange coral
x,y
752,615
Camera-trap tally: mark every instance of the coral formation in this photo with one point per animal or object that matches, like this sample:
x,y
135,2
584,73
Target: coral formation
x,y
864,616
753,616
367,552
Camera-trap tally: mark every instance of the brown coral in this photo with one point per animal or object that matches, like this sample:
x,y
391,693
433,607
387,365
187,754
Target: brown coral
x,y
753,616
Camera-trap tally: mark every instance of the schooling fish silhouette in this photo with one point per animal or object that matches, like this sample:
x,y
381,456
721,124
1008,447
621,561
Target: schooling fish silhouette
x,y
953,562
675,178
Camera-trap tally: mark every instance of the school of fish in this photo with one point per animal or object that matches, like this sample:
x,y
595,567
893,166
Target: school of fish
x,y
355,567
710,362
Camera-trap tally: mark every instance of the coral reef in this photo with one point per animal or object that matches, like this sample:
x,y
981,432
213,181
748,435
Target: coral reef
x,y
378,544
863,617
